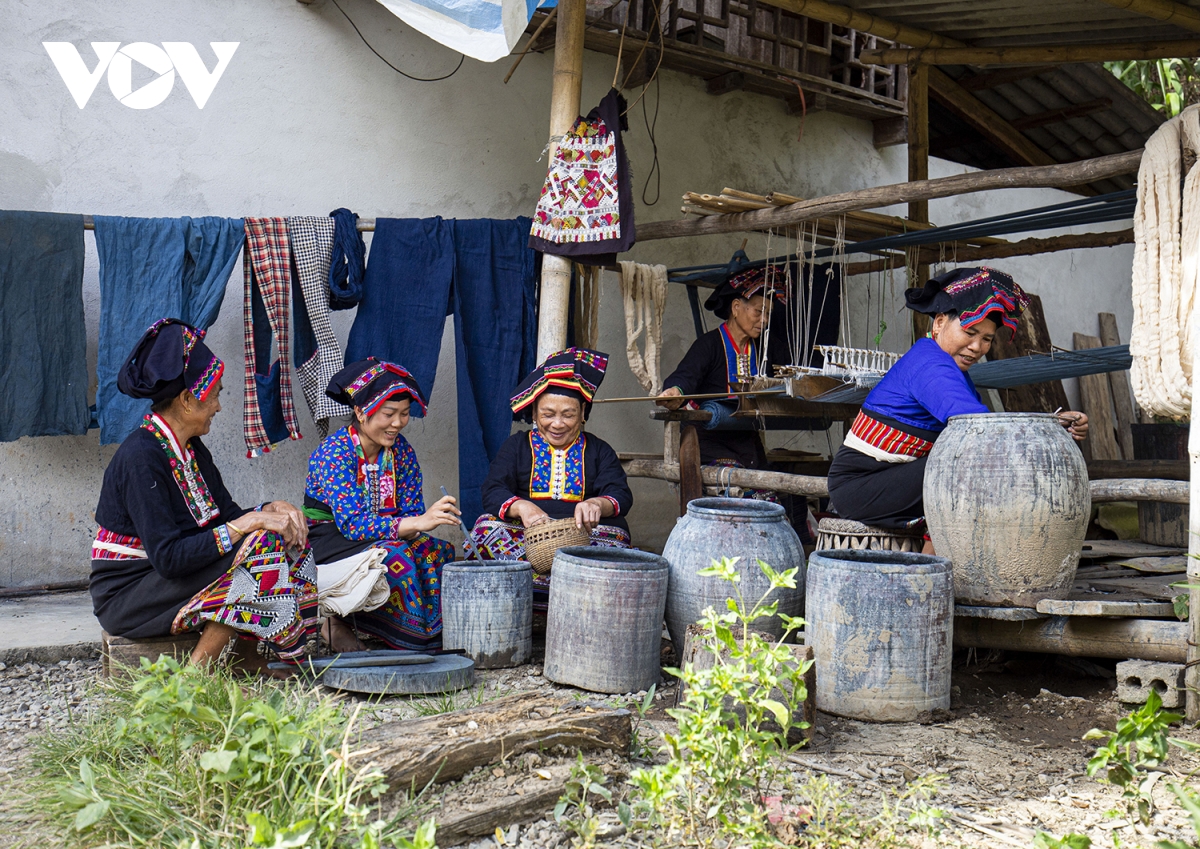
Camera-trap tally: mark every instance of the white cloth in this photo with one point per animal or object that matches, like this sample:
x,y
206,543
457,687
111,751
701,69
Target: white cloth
x,y
486,30
358,582
1166,267
644,297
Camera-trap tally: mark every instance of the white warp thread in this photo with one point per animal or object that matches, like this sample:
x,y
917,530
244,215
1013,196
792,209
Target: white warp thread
x,y
1166,263
644,297
587,306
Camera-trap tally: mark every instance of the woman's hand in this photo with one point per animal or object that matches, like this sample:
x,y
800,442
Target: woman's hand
x,y
589,513
279,517
529,514
443,512
670,404
1076,424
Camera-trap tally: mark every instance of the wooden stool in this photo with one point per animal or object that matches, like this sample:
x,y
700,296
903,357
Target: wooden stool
x,y
845,534
117,652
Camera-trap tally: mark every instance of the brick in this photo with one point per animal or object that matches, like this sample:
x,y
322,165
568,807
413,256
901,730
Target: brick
x,y
1135,679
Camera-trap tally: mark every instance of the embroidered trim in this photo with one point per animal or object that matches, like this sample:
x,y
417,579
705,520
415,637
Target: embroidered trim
x,y
224,540
113,546
378,479
202,387
884,442
740,366
187,475
613,502
557,474
503,512
397,387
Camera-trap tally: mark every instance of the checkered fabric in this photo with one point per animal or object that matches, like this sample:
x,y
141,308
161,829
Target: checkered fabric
x,y
267,266
311,238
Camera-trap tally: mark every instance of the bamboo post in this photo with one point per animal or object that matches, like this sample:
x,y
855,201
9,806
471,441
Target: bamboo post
x,y
1192,674
918,168
564,109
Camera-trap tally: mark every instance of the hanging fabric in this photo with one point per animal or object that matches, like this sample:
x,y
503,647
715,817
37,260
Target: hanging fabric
x,y
318,355
486,30
153,268
587,306
644,297
1166,267
269,415
347,263
586,207
43,342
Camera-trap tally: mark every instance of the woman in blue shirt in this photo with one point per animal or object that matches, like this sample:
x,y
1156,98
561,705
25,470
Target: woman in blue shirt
x,y
877,476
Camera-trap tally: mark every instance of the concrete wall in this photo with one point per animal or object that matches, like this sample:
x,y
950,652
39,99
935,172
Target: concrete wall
x,y
306,119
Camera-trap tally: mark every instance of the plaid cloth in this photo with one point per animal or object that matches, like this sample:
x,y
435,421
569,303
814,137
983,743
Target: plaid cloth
x,y
311,238
268,269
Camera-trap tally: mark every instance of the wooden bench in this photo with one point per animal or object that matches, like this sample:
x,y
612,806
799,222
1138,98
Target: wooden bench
x,y
121,652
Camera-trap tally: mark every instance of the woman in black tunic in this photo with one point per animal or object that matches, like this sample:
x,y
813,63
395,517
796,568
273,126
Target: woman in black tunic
x,y
555,471
174,551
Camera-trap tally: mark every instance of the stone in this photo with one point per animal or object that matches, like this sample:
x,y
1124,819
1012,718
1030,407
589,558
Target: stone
x,y
1136,678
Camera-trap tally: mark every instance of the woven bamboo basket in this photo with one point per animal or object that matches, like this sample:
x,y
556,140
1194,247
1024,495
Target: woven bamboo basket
x,y
543,541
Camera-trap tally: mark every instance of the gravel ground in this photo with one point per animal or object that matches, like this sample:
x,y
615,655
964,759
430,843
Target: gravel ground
x,y
1010,748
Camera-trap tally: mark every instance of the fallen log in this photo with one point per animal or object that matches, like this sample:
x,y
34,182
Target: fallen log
x,y
807,485
1141,639
530,799
413,752
1130,489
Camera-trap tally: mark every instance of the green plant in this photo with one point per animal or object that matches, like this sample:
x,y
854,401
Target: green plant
x,y
585,784
450,700
1190,801
733,724
1045,840
639,746
1140,743
1168,85
176,756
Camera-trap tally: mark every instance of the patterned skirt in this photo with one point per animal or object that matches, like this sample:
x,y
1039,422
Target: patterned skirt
x,y
411,618
496,539
269,595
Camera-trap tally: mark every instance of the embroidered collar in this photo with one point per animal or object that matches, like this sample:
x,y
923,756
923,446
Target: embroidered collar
x,y
377,479
742,365
186,472
557,474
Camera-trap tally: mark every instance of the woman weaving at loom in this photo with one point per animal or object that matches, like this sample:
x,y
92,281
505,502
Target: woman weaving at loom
x,y
174,552
877,476
555,471
727,356
364,492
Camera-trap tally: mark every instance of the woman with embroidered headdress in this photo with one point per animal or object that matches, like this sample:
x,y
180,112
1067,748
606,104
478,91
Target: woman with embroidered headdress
x,y
364,492
555,470
877,476
174,552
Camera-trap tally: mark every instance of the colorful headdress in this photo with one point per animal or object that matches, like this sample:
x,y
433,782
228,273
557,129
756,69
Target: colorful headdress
x,y
170,357
575,372
765,280
368,384
973,294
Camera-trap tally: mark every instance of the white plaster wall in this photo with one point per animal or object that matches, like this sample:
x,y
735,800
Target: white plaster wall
x,y
306,119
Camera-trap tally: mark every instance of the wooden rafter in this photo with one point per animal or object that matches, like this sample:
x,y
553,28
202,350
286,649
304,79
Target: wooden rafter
x,y
1054,55
1161,10
1066,113
832,13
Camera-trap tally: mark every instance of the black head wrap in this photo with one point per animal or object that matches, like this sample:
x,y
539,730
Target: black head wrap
x,y
170,357
761,280
973,294
574,373
368,384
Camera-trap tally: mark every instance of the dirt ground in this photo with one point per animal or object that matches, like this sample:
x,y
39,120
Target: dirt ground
x,y
1010,747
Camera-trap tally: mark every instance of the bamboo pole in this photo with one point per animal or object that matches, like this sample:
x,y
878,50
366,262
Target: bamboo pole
x,y
1161,10
564,109
1032,177
1138,489
1192,674
1055,55
1079,636
833,13
807,485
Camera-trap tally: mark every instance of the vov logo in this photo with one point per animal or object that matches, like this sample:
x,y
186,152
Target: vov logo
x,y
164,61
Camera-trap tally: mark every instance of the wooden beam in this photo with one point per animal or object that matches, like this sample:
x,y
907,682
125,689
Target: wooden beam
x,y
1025,247
1120,639
1056,116
1053,55
1049,176
832,13
1132,489
1171,470
987,121
1095,399
1166,11
807,485
918,169
564,109
1118,382
886,132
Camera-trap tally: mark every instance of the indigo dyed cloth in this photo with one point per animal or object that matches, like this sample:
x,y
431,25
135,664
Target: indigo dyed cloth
x,y
420,271
346,266
43,353
152,268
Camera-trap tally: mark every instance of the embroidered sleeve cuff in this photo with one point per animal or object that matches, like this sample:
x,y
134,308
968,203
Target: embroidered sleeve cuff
x,y
224,541
613,502
503,512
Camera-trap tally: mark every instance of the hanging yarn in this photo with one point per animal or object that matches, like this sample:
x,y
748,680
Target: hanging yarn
x,y
1166,263
587,306
644,297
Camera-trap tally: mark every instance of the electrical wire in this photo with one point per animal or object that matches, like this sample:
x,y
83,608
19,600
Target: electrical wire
x,y
462,56
655,171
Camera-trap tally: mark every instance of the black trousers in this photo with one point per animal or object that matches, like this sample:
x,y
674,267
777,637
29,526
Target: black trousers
x,y
887,495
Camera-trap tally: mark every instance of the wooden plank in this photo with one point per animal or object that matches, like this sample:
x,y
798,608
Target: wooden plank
x,y
1157,565
990,124
1107,607
1082,636
806,485
918,137
1050,176
1169,470
530,798
413,752
691,484
1122,394
1057,54
1007,614
886,132
1032,336
1126,548
1096,400
1142,586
